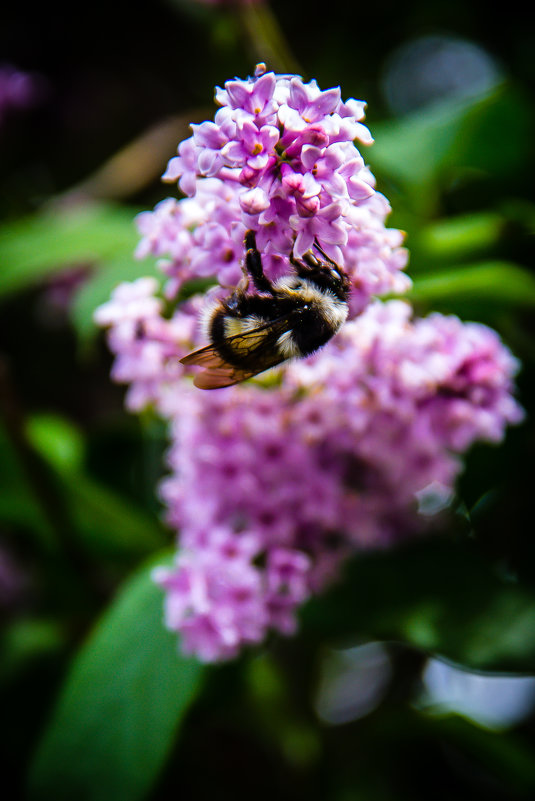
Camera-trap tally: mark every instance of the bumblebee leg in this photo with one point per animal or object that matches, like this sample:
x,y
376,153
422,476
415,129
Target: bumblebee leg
x,y
303,266
311,260
235,301
327,260
243,284
322,252
253,264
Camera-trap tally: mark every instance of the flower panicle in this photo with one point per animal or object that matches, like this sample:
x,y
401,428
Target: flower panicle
x,y
273,485
343,456
279,158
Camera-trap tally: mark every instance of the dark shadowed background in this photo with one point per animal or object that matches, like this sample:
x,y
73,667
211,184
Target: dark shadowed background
x,y
413,679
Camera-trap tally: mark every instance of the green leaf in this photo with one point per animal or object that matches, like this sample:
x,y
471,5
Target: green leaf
x,y
424,150
498,281
413,149
57,440
26,640
98,287
35,246
459,237
437,595
18,504
121,707
108,522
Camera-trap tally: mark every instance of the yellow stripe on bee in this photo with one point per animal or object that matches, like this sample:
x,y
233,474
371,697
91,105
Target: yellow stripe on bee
x,y
239,325
234,326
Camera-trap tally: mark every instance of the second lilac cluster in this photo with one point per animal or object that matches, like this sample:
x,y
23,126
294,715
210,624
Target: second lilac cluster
x,y
272,489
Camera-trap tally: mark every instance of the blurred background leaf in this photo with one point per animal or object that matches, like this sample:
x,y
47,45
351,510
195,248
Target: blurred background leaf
x,y
439,596
35,246
121,706
107,522
488,282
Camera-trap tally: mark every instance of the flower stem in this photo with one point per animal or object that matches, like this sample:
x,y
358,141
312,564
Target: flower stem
x,y
266,37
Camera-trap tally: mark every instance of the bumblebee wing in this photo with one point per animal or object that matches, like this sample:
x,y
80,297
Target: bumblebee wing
x,y
205,357
255,350
216,378
217,373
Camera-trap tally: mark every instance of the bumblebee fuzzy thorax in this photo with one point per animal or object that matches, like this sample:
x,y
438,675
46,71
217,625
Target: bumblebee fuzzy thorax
x,y
251,331
307,292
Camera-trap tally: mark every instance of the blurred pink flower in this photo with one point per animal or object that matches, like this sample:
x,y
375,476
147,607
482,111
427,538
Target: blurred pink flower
x,y
276,487
18,90
274,483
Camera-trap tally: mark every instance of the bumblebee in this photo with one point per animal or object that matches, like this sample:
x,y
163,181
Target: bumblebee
x,y
290,318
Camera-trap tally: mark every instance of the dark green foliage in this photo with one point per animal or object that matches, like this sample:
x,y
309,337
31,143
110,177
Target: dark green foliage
x,y
98,703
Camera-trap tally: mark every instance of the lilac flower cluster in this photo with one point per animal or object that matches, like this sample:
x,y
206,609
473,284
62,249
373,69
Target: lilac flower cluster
x,y
279,158
273,485
147,344
272,489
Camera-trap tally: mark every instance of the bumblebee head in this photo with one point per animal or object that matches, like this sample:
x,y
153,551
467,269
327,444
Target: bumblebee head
x,y
324,274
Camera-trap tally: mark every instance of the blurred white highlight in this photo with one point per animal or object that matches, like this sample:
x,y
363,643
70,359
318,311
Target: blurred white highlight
x,y
496,702
432,68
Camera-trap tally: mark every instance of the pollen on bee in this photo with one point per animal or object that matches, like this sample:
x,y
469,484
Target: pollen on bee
x,y
237,325
233,326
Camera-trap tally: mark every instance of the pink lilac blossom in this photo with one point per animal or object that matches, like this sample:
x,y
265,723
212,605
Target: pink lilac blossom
x,y
147,344
273,489
274,484
279,158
